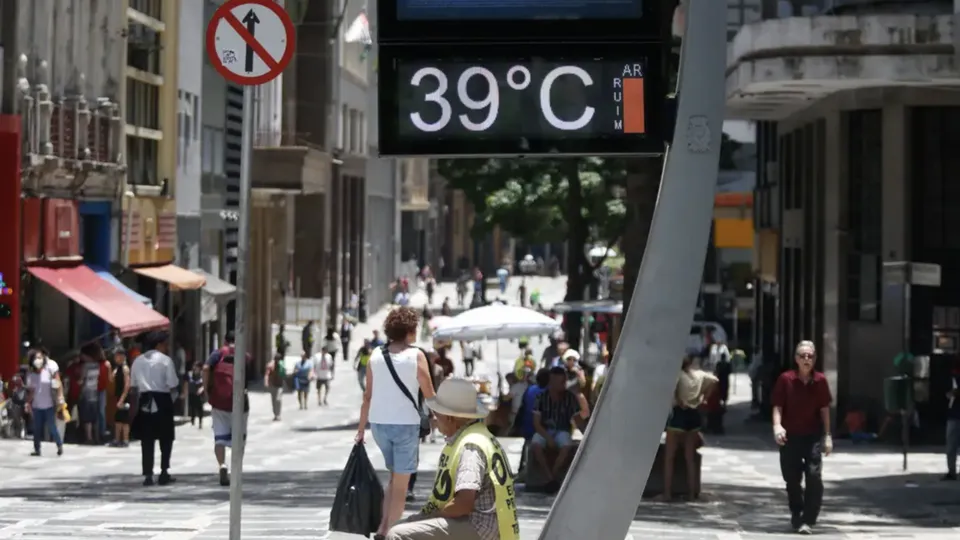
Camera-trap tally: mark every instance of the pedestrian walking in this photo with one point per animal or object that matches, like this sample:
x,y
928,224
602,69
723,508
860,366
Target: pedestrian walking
x,y
121,392
196,396
44,399
306,338
471,352
274,379
397,372
218,373
93,379
280,342
323,365
953,423
331,344
801,427
361,362
346,332
154,377
303,376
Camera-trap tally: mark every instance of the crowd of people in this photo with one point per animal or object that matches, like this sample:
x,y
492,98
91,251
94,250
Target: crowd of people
x,y
412,395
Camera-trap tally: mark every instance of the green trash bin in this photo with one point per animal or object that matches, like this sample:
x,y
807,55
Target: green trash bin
x,y
896,393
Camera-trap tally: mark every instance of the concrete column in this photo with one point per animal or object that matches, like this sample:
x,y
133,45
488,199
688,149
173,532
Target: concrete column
x,y
834,253
362,235
336,244
895,224
345,227
356,237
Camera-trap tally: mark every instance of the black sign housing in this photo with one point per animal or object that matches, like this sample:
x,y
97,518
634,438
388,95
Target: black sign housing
x,y
418,21
538,99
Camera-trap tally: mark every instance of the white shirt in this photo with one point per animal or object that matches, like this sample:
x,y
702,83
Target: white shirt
x,y
388,404
153,371
331,345
718,353
41,384
322,365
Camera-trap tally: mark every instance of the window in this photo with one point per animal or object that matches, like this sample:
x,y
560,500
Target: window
x,y
354,132
151,8
344,128
143,48
362,134
143,101
142,160
212,149
865,170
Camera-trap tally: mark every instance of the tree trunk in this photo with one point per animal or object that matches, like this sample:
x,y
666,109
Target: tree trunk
x,y
578,269
643,185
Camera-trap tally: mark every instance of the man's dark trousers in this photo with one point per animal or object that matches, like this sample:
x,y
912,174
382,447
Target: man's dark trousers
x,y
801,464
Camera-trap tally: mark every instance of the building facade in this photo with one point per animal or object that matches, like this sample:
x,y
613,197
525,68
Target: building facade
x,y
857,107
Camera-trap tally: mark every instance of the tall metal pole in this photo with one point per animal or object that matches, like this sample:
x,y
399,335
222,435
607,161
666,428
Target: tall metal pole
x,y
238,428
599,498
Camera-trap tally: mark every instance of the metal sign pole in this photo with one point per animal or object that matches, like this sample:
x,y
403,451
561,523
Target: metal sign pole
x,y
612,464
239,426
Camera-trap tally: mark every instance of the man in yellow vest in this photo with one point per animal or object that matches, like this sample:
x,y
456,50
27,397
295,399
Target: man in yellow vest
x,y
473,496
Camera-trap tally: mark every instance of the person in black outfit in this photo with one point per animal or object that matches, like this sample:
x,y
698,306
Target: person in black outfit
x,y
196,398
155,378
121,390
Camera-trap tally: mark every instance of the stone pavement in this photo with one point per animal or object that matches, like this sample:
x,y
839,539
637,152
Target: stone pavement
x,y
291,469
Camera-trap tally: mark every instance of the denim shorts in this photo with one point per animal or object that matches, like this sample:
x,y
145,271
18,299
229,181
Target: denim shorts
x,y
562,438
400,445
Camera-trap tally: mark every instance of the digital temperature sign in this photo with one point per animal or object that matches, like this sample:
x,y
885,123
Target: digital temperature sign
x,y
419,21
501,104
439,10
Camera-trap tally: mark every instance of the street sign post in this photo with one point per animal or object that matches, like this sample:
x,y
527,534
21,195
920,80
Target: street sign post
x,y
249,42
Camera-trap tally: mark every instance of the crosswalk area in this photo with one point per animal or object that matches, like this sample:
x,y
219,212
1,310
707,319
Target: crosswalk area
x,y
291,469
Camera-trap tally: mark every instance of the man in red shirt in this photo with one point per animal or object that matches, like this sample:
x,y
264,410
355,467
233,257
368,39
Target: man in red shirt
x,y
801,426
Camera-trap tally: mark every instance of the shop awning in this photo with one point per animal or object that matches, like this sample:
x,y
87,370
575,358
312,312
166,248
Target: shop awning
x,y
102,298
107,276
178,278
219,289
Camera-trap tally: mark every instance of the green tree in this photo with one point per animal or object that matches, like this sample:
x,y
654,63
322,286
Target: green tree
x,y
547,200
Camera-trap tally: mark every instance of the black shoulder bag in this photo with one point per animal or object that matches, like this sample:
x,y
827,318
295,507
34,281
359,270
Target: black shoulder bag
x,y
424,417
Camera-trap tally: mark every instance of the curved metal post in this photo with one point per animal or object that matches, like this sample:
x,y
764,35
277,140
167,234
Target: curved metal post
x,y
604,486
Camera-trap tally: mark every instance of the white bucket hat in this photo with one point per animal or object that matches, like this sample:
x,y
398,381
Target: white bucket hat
x,y
458,397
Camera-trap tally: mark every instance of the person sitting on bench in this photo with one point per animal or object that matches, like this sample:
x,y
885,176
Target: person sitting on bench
x,y
553,416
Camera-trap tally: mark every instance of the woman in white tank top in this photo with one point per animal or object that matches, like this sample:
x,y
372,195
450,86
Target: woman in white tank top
x,y
392,406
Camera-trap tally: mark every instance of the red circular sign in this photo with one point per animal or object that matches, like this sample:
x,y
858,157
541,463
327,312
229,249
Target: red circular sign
x,y
224,15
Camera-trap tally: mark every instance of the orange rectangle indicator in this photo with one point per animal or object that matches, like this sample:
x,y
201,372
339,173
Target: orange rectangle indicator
x,y
633,105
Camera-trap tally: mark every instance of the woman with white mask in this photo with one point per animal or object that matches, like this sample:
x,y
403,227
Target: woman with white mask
x,y
44,398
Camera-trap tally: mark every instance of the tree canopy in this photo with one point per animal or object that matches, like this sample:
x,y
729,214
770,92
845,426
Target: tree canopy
x,y
530,198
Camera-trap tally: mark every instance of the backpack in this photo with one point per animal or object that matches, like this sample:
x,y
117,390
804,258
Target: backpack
x,y
280,367
221,386
221,393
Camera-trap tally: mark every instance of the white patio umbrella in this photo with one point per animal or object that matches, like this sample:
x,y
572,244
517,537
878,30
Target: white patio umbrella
x,y
438,320
600,251
496,321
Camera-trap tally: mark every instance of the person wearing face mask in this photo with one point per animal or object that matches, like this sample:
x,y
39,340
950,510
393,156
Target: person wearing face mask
x,y
801,427
44,398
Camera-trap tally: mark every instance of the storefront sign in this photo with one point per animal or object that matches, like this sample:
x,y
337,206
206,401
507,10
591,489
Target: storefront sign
x,y
151,223
51,230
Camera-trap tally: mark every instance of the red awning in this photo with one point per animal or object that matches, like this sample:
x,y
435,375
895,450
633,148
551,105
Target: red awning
x,y
102,298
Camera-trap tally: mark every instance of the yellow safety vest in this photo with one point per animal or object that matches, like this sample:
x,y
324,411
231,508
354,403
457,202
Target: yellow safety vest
x,y
498,470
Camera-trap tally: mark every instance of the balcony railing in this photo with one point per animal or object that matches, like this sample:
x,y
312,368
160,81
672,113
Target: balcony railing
x,y
274,139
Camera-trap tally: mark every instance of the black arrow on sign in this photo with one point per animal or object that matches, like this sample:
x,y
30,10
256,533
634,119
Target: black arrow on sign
x,y
251,20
